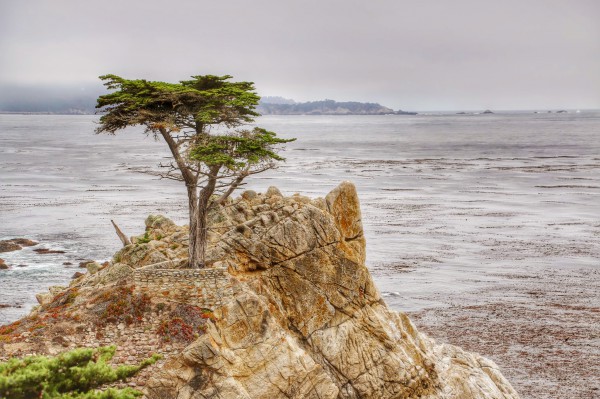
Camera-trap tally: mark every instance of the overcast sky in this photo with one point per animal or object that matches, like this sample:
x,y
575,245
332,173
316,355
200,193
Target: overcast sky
x,y
414,55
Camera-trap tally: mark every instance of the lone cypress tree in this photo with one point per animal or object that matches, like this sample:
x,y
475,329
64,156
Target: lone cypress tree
x,y
186,115
72,375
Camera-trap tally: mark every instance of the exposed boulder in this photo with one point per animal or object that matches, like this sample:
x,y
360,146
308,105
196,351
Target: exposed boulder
x,y
44,298
56,289
9,246
15,244
44,251
77,275
273,191
162,241
111,274
24,242
159,222
93,267
84,263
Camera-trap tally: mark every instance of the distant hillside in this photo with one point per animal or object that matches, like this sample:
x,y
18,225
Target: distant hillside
x,y
276,100
49,99
325,107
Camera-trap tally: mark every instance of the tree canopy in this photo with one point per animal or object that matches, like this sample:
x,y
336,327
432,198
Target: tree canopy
x,y
203,100
235,152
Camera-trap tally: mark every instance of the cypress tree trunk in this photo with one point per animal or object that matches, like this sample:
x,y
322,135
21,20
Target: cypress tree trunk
x,y
193,236
199,205
201,231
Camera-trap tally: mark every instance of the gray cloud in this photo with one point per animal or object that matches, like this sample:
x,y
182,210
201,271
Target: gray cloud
x,y
460,54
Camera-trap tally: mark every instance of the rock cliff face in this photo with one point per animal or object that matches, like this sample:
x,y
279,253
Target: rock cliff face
x,y
306,320
298,315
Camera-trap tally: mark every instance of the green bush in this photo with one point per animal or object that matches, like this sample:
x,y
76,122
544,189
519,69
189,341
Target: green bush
x,y
76,374
145,239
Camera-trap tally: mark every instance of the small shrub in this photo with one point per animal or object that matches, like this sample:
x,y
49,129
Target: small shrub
x,y
185,324
9,328
9,332
208,314
74,374
38,326
121,305
176,329
63,299
145,239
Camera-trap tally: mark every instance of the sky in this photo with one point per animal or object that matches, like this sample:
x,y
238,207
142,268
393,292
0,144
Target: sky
x,y
410,55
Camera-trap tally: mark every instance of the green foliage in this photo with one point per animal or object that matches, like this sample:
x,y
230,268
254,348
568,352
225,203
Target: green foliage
x,y
145,239
239,150
203,100
73,374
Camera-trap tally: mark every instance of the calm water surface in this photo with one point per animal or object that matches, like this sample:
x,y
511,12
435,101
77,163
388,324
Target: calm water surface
x,y
449,202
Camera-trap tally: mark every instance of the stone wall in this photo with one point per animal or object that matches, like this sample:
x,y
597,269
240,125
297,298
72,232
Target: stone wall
x,y
206,288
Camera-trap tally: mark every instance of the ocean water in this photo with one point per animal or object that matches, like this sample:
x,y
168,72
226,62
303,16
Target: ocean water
x,y
451,203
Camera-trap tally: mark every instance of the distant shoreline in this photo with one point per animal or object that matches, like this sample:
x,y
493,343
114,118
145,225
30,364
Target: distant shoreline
x,y
44,113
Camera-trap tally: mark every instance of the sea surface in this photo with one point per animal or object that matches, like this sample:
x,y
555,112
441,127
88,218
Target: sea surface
x,y
451,203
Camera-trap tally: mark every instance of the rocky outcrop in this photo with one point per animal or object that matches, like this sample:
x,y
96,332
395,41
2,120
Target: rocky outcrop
x,y
297,313
15,244
306,320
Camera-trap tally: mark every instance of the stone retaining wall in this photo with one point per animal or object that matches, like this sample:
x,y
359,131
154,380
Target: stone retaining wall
x,y
207,288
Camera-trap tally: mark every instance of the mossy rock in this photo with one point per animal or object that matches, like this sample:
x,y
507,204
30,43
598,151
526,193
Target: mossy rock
x,y
116,272
154,222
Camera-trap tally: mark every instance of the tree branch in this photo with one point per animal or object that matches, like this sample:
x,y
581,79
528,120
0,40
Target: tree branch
x,y
234,185
188,177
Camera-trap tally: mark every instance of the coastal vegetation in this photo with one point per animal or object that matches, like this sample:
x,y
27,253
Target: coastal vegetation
x,y
76,374
201,122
